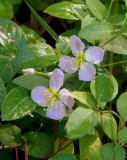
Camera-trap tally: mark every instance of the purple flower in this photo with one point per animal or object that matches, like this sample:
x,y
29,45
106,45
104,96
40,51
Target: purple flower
x,y
83,61
53,98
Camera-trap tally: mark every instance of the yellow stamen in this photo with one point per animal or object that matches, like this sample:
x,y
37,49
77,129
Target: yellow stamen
x,y
50,98
79,60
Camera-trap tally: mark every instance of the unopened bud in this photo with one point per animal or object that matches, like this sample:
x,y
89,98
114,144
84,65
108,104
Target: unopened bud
x,y
28,71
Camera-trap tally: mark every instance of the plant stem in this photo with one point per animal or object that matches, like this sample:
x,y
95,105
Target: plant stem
x,y
82,86
115,63
109,9
16,153
10,147
26,151
109,40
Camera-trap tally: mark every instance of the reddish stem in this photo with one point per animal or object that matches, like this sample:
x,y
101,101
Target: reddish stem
x,y
26,151
16,153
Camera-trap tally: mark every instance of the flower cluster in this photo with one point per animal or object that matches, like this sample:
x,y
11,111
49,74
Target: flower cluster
x,y
53,98
83,61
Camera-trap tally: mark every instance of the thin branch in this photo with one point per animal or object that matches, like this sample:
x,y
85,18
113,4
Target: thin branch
x,y
115,63
62,148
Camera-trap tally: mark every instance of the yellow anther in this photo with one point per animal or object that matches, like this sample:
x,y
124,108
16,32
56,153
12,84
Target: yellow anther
x,y
54,92
50,98
52,103
79,60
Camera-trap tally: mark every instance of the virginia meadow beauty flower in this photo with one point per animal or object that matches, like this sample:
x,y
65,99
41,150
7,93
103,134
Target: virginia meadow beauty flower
x,y
83,61
53,98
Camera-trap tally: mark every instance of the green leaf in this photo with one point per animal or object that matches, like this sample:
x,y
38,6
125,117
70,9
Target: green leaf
x,y
122,135
64,157
6,9
12,39
40,111
7,71
64,10
118,19
31,34
124,30
97,9
80,122
122,106
109,125
64,146
31,81
10,135
110,152
17,104
85,98
90,146
117,45
39,144
35,55
2,91
104,88
87,20
63,44
96,31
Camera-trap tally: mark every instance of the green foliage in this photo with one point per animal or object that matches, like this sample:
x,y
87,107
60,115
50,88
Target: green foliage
x,y
30,81
97,9
39,144
66,10
110,152
90,146
109,125
64,157
85,98
17,104
121,106
35,55
96,31
104,88
122,135
99,114
10,135
81,122
6,9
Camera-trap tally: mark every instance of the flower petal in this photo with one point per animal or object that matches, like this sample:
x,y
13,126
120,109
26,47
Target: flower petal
x,y
38,97
66,98
87,72
57,79
67,64
57,112
94,54
76,44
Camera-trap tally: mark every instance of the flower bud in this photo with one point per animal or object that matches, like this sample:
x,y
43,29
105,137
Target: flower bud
x,y
29,71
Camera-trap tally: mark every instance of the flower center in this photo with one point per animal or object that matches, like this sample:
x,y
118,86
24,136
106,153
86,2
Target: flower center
x,y
80,58
51,96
